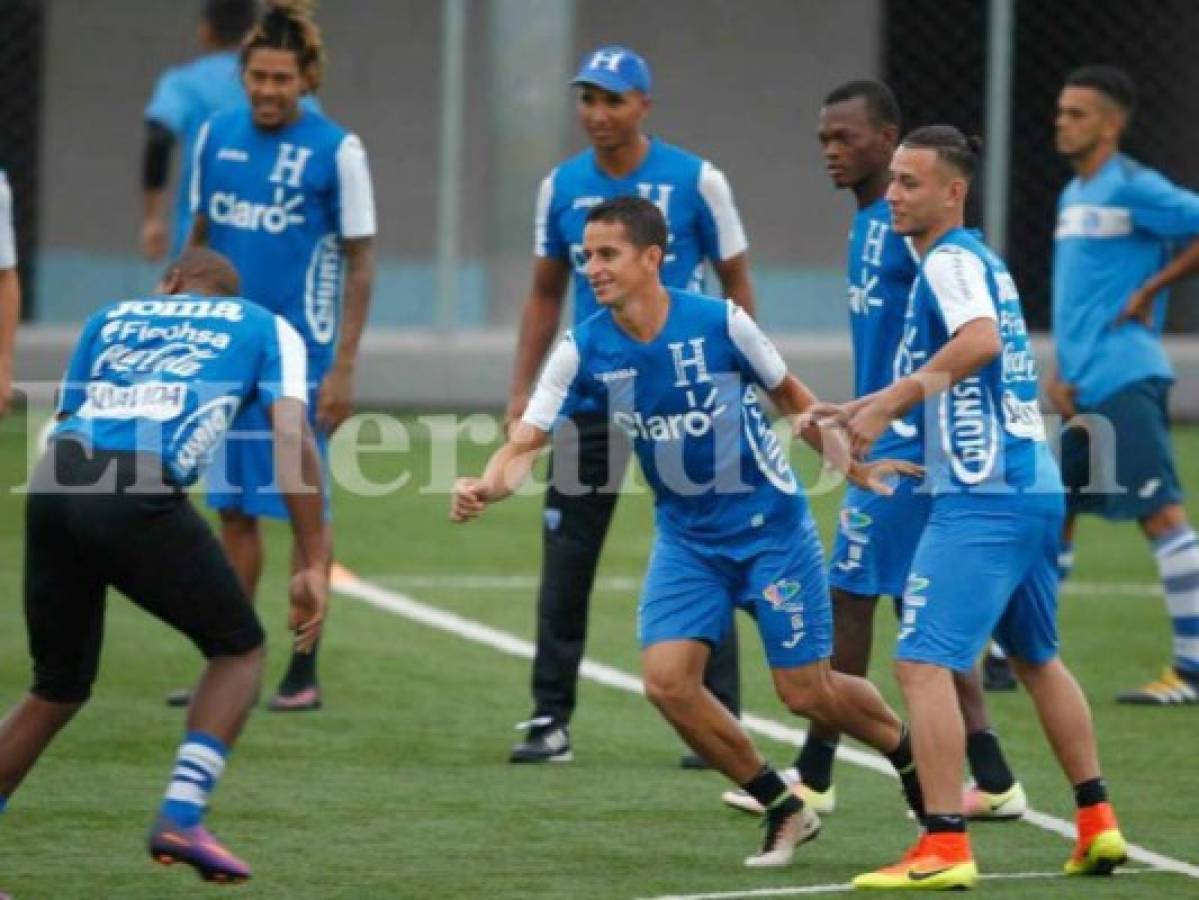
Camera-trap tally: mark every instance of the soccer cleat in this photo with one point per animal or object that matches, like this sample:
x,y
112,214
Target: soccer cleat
x,y
938,862
997,675
1100,846
784,832
304,700
821,802
547,741
1169,690
168,844
978,805
180,697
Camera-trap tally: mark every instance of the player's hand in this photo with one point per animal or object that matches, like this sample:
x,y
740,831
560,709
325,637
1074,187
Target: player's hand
x,y
1139,308
517,404
154,239
1062,396
333,404
822,414
308,593
468,500
865,425
880,476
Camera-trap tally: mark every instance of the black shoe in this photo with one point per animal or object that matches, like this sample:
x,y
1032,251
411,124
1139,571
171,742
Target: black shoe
x,y
547,741
694,761
997,675
180,697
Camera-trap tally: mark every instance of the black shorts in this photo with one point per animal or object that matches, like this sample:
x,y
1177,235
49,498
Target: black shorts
x,y
1117,458
98,518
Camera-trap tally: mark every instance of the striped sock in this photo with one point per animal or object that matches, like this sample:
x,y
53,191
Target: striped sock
x,y
1177,555
198,766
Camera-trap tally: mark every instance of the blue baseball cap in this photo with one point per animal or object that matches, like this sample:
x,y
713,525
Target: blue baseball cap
x,y
616,69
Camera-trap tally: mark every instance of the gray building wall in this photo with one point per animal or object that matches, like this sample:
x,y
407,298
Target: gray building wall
x,y
739,81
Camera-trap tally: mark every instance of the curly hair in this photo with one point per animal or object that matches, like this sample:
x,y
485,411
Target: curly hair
x,y
288,25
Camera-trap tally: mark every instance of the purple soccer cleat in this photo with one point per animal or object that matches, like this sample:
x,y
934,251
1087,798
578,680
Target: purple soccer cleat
x,y
168,843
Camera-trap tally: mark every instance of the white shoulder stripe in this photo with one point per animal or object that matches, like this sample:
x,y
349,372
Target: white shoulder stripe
x,y
357,194
753,344
293,361
197,151
554,384
958,281
714,188
545,198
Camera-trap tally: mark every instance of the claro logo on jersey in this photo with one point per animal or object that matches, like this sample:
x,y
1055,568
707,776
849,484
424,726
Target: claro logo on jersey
x,y
322,288
227,208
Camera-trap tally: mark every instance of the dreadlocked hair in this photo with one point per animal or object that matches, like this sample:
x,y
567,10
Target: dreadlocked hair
x,y
288,25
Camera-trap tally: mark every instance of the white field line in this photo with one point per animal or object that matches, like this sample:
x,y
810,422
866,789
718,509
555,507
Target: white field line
x,y
625,584
347,584
849,888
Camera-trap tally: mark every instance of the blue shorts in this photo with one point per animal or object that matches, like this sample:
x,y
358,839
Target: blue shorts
x,y
1122,468
981,570
241,476
876,539
690,594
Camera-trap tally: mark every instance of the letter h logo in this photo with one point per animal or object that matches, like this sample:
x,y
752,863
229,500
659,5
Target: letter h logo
x,y
289,164
696,361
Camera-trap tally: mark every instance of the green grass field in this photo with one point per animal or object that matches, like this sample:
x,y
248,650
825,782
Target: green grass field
x,y
400,787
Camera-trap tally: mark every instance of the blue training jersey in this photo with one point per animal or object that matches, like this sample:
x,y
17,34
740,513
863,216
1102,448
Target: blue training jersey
x,y
1114,231
881,268
166,375
279,205
686,399
985,434
184,98
694,197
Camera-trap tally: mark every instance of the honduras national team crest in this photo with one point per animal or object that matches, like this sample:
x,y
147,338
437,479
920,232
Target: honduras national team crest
x,y
783,597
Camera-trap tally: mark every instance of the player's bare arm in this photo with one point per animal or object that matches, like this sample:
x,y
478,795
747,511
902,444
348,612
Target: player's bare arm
x,y
735,282
337,389
198,236
1140,304
972,346
506,471
1061,395
539,322
793,399
299,466
10,314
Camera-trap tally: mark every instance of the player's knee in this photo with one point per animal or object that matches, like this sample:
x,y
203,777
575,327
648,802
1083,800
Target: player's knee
x,y
671,690
247,641
70,687
807,696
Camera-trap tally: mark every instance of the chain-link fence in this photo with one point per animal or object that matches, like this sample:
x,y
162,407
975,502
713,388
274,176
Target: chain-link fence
x,y
21,24
935,58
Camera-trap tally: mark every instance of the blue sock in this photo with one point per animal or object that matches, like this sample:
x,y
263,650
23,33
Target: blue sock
x,y
3,802
198,766
1177,555
1065,561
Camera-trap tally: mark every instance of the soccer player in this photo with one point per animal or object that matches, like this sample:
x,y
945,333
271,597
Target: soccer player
x,y
10,295
858,130
986,560
613,101
183,99
151,386
1118,224
285,193
676,371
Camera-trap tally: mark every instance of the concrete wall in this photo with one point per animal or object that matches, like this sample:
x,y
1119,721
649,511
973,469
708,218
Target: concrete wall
x,y
739,81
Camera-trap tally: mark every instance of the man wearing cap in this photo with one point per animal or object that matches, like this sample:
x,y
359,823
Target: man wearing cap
x,y
588,463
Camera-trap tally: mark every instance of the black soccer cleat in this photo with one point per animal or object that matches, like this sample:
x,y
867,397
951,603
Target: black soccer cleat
x,y
547,740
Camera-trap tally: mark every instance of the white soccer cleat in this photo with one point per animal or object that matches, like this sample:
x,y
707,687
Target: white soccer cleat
x,y
783,835
978,805
822,802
